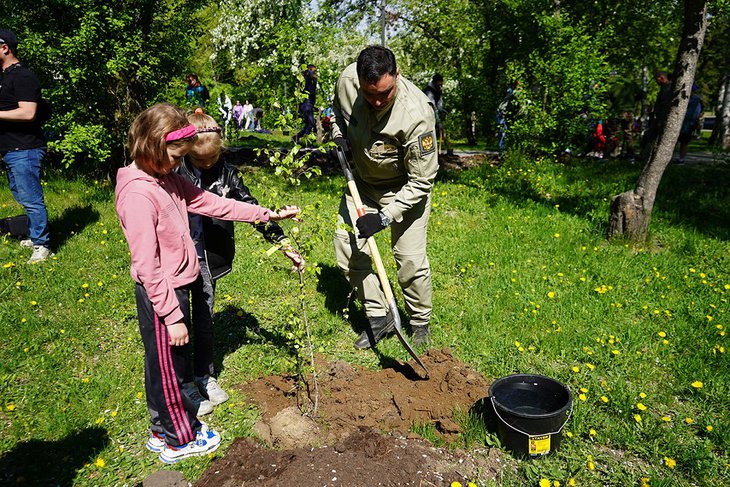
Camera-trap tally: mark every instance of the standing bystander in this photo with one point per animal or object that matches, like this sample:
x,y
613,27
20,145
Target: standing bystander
x,y
22,144
307,106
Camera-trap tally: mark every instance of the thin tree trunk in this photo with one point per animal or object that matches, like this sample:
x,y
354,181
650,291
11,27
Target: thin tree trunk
x,y
631,210
722,115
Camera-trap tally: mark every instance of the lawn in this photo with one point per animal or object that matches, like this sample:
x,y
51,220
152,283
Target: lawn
x,y
524,280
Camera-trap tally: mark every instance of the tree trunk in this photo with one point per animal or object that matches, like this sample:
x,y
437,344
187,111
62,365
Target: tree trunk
x,y
631,210
722,115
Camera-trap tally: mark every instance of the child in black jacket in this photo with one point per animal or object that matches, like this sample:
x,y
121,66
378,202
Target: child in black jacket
x,y
214,241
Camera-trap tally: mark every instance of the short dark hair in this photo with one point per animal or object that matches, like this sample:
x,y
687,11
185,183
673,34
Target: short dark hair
x,y
374,62
437,77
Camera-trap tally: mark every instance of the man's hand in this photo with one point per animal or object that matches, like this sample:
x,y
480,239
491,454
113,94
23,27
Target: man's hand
x,y
178,334
340,142
369,224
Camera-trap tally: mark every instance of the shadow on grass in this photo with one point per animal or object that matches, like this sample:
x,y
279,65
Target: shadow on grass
x,y
38,462
73,219
234,328
693,195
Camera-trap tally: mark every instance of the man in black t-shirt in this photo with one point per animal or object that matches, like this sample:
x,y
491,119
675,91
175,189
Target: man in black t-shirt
x,y
22,145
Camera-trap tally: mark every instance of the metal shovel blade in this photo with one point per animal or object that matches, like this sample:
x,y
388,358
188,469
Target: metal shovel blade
x,y
402,336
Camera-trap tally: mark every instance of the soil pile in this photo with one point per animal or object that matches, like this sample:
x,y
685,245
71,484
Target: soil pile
x,y
360,437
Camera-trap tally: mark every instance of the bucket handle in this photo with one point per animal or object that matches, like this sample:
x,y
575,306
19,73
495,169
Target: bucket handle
x,y
570,413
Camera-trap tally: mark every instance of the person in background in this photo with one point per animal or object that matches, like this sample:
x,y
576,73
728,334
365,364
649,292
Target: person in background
x,y
195,92
248,115
658,116
22,144
152,202
238,114
225,108
215,247
306,108
434,92
257,114
689,124
390,126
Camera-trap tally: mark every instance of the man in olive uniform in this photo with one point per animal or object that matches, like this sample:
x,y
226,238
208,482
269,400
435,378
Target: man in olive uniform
x,y
390,127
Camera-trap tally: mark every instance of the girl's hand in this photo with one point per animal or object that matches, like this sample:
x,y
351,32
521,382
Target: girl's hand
x,y
178,334
296,258
286,212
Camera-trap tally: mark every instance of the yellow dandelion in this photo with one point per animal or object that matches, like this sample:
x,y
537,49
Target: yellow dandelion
x,y
139,395
569,434
551,295
100,462
84,285
85,380
666,419
544,483
557,235
670,462
640,406
576,368
604,399
642,395
9,265
33,303
582,397
571,481
637,418
662,334
591,465
709,427
10,407
592,432
455,484
615,352
689,420
591,366
697,384
556,483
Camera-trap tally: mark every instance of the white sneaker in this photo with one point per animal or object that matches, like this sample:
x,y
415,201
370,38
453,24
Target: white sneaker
x,y
40,253
206,441
210,388
26,243
203,406
156,443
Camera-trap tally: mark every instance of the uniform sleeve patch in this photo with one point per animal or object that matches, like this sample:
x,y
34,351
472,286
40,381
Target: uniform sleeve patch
x,y
427,143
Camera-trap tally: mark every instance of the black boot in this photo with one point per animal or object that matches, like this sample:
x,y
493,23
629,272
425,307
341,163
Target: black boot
x,y
379,328
421,336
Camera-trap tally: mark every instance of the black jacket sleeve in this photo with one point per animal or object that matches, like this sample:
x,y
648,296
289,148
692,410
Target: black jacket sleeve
x,y
271,231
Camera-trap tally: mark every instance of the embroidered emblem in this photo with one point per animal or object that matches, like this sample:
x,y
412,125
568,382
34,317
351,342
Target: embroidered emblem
x,y
426,143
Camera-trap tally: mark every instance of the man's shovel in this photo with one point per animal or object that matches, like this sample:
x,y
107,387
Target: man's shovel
x,y
384,283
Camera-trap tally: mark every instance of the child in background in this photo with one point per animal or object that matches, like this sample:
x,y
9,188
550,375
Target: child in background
x,y
215,246
152,203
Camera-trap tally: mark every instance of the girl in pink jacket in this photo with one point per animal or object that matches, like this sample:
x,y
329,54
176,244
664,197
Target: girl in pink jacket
x,y
153,203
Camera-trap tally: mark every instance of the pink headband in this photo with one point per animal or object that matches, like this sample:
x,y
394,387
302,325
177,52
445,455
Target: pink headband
x,y
183,133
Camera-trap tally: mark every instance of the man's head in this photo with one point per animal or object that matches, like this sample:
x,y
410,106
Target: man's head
x,y
312,68
378,75
438,81
8,43
661,77
192,79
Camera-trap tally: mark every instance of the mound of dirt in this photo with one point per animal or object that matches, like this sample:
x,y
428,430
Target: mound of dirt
x,y
388,400
360,437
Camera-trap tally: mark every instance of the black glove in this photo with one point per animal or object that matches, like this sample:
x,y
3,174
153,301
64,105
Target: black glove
x,y
369,224
341,142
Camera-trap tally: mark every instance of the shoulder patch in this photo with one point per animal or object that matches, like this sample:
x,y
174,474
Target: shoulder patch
x,y
427,143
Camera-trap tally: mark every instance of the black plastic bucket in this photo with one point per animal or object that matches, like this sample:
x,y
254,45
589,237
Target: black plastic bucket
x,y
532,411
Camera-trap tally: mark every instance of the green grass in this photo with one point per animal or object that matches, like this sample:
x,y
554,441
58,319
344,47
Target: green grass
x,y
524,280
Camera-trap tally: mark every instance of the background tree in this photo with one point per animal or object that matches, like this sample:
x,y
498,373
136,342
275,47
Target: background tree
x,y
100,63
631,210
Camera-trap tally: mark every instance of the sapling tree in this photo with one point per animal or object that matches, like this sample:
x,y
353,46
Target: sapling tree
x,y
293,167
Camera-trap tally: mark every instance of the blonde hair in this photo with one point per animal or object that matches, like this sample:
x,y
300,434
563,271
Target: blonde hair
x,y
146,138
209,141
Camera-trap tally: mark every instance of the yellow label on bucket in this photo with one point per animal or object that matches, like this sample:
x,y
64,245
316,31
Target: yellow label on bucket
x,y
539,445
